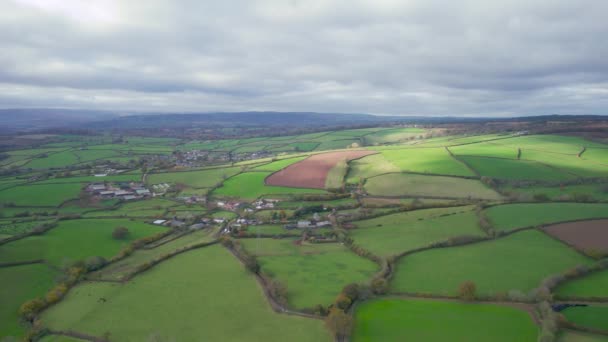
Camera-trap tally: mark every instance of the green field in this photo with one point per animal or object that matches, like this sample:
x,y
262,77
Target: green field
x,y
123,268
428,160
595,317
512,216
75,240
19,284
314,273
397,233
335,176
195,179
369,166
250,185
516,262
50,195
429,321
411,185
563,193
514,169
592,285
227,306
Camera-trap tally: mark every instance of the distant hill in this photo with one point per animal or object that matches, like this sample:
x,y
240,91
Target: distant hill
x,y
35,119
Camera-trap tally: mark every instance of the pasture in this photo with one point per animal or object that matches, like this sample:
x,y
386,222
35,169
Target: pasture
x,y
19,284
512,169
511,216
180,293
250,185
75,240
595,317
429,320
516,262
429,160
50,195
412,185
577,336
313,273
589,286
398,233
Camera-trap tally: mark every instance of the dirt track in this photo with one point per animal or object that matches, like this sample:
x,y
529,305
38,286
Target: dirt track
x,y
312,171
583,235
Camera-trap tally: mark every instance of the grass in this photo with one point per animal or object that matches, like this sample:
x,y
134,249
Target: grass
x,y
274,229
195,179
369,166
206,290
393,234
50,195
592,285
428,160
335,176
595,317
512,216
10,228
55,160
123,268
428,320
347,202
75,240
19,284
512,169
393,135
313,273
410,185
250,185
487,149
596,191
516,262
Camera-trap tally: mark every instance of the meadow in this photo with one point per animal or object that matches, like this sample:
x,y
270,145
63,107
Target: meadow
x,y
313,273
50,195
195,179
412,185
181,293
595,317
511,216
592,285
398,233
515,262
19,284
75,240
429,320
250,185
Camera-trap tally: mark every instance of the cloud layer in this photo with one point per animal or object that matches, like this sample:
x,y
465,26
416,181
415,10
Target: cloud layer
x,y
416,57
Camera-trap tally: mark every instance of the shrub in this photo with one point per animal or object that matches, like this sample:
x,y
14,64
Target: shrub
x,y
31,308
339,323
379,286
467,290
94,263
120,233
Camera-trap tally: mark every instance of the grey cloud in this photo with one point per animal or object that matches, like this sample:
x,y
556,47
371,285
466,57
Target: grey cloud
x,y
381,56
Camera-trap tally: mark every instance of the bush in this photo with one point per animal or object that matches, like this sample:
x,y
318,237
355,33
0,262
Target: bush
x,y
467,290
339,323
120,233
379,286
94,263
30,308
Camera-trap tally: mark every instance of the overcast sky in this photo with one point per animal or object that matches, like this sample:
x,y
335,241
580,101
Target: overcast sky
x,y
416,57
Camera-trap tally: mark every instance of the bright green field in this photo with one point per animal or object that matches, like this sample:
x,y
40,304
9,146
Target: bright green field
x,y
19,284
589,316
488,149
511,216
410,185
75,240
335,176
516,262
429,321
393,234
55,160
427,160
392,135
50,195
206,290
315,273
196,179
593,285
250,185
369,166
514,169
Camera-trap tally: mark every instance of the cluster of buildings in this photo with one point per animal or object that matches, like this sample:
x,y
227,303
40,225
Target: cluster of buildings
x,y
125,191
265,204
307,224
228,205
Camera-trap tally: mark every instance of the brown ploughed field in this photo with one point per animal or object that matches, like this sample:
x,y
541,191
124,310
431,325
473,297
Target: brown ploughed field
x,y
590,235
312,171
